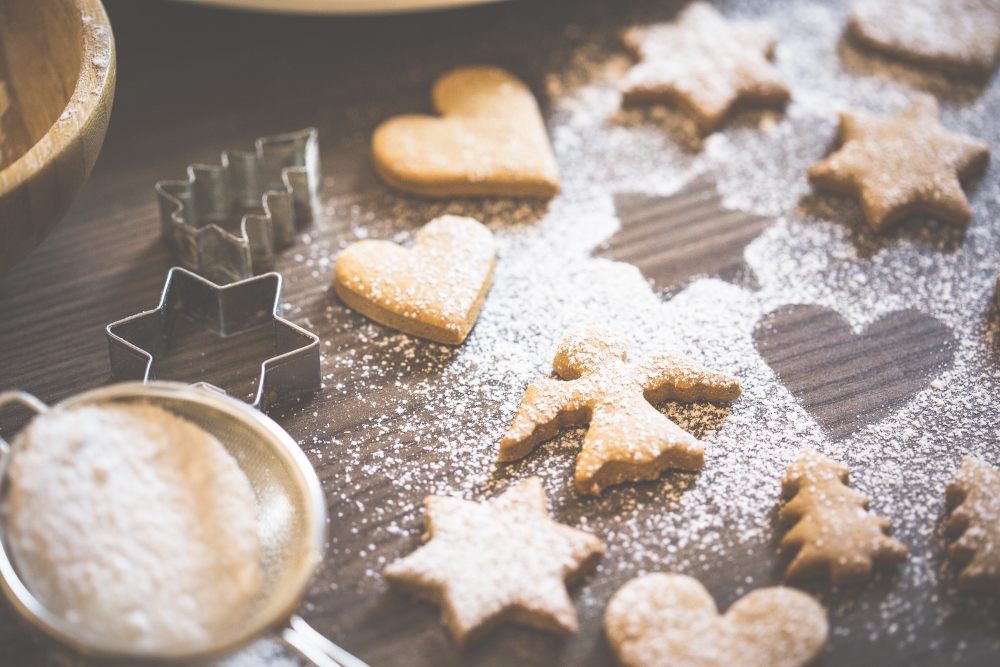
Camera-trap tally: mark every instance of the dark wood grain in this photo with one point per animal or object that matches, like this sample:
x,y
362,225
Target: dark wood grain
x,y
846,380
194,82
674,239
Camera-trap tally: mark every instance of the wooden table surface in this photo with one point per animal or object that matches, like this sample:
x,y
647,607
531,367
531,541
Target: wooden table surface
x,y
193,82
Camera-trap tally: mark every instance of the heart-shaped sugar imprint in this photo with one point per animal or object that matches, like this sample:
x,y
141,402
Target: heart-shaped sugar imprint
x,y
670,620
845,380
434,290
489,141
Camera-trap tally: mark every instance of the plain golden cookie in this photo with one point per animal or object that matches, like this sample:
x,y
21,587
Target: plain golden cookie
x,y
503,560
973,495
489,141
628,439
703,64
956,36
670,620
433,290
903,164
834,534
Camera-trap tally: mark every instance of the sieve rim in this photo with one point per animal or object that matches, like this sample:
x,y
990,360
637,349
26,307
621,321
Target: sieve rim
x,y
278,607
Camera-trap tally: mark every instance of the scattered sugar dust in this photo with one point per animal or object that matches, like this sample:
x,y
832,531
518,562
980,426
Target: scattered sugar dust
x,y
133,525
818,251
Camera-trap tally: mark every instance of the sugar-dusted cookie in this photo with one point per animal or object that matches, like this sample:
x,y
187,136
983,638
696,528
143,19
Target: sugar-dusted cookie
x,y
670,620
957,36
433,290
903,164
489,141
703,64
503,560
628,439
834,534
973,495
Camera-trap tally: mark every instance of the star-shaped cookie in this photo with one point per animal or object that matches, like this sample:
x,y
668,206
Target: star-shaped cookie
x,y
903,164
703,64
503,560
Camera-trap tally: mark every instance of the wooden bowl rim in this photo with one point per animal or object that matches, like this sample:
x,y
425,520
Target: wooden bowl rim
x,y
98,42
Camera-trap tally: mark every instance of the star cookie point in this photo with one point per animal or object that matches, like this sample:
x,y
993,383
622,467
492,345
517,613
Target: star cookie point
x,y
627,438
502,560
703,64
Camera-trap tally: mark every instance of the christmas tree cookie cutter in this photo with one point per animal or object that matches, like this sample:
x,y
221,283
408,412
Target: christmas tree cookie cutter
x,y
134,343
282,175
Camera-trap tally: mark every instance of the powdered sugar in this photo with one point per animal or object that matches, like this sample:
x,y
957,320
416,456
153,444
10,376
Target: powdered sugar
x,y
714,524
133,525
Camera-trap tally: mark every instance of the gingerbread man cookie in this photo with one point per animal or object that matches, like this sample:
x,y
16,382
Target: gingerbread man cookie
x,y
670,620
703,64
434,290
973,495
628,439
834,533
903,164
504,560
956,36
489,141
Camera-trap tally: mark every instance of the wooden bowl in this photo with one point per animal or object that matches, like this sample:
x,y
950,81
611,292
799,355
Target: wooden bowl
x,y
57,68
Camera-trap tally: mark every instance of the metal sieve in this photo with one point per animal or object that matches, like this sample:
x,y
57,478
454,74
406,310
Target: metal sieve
x,y
291,524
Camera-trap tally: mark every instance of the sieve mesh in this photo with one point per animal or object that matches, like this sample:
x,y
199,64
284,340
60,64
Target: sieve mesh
x,y
291,514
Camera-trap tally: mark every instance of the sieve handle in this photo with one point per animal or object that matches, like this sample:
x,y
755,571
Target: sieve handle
x,y
25,399
316,648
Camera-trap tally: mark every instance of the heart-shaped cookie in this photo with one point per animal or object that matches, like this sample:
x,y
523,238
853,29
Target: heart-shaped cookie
x,y
845,380
489,141
434,290
670,620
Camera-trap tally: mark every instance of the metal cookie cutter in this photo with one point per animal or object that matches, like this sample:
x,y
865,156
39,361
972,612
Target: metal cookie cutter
x,y
135,342
282,175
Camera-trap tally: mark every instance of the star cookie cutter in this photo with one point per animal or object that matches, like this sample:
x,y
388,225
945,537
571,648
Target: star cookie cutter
x,y
282,175
135,342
